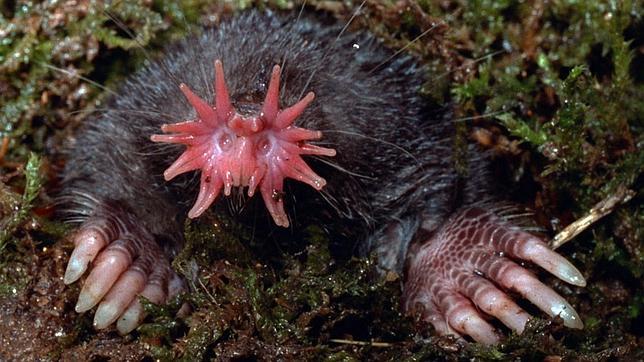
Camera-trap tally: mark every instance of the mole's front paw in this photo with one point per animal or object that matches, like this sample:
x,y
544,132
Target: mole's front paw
x,y
458,279
125,262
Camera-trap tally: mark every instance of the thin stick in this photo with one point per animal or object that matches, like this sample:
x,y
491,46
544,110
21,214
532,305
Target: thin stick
x,y
362,343
404,48
4,148
601,209
69,73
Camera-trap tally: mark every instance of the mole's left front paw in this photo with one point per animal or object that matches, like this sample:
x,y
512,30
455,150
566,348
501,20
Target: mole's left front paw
x,y
125,262
458,278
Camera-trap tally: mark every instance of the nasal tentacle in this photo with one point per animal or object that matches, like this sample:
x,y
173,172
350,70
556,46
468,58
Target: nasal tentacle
x,y
233,150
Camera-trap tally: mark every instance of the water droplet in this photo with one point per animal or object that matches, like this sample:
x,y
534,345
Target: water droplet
x,y
479,273
225,142
277,195
263,147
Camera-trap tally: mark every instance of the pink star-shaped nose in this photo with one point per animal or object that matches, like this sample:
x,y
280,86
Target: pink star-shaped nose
x,y
232,150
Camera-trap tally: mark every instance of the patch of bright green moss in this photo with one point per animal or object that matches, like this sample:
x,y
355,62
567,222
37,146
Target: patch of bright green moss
x,y
14,212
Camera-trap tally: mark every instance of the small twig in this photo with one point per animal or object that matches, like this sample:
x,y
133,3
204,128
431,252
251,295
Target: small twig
x,y
601,209
4,147
362,343
205,289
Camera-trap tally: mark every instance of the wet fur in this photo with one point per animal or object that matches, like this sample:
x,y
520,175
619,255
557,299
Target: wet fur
x,y
393,172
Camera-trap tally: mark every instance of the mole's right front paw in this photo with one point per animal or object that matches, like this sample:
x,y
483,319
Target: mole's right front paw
x,y
462,277
125,262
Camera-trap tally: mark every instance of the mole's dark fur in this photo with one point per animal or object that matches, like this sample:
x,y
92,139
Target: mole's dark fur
x,y
391,189
393,171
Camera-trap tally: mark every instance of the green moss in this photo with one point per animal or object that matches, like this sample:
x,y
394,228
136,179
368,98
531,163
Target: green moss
x,y
574,102
45,42
558,79
18,213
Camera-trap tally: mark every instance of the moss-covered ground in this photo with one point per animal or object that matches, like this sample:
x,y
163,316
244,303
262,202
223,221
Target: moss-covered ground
x,y
554,89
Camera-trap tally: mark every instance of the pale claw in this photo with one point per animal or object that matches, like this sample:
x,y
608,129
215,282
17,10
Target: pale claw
x,y
462,315
110,264
125,262
129,285
513,276
88,241
463,270
538,252
134,313
496,303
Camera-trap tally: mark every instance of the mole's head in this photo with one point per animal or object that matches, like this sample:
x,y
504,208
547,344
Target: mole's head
x,y
257,150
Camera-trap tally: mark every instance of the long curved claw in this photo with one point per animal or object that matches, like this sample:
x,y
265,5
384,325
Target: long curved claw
x,y
95,234
463,317
533,249
130,283
156,291
109,266
512,276
125,263
89,242
491,300
134,313
462,274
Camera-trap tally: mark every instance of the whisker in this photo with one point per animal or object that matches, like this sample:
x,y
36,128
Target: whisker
x,y
73,207
340,168
331,47
518,216
71,74
84,195
283,42
129,33
329,199
507,209
404,48
534,229
485,115
74,220
406,152
478,60
171,118
208,84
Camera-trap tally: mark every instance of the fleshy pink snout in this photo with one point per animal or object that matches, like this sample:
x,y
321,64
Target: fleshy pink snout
x,y
235,151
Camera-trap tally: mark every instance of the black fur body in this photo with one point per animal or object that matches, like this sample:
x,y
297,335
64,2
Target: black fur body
x,y
393,174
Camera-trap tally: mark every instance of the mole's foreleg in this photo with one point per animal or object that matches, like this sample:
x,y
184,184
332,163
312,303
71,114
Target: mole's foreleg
x,y
126,262
461,274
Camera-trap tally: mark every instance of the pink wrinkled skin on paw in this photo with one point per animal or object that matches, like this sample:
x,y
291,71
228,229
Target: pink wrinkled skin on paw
x,y
233,150
123,266
460,278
